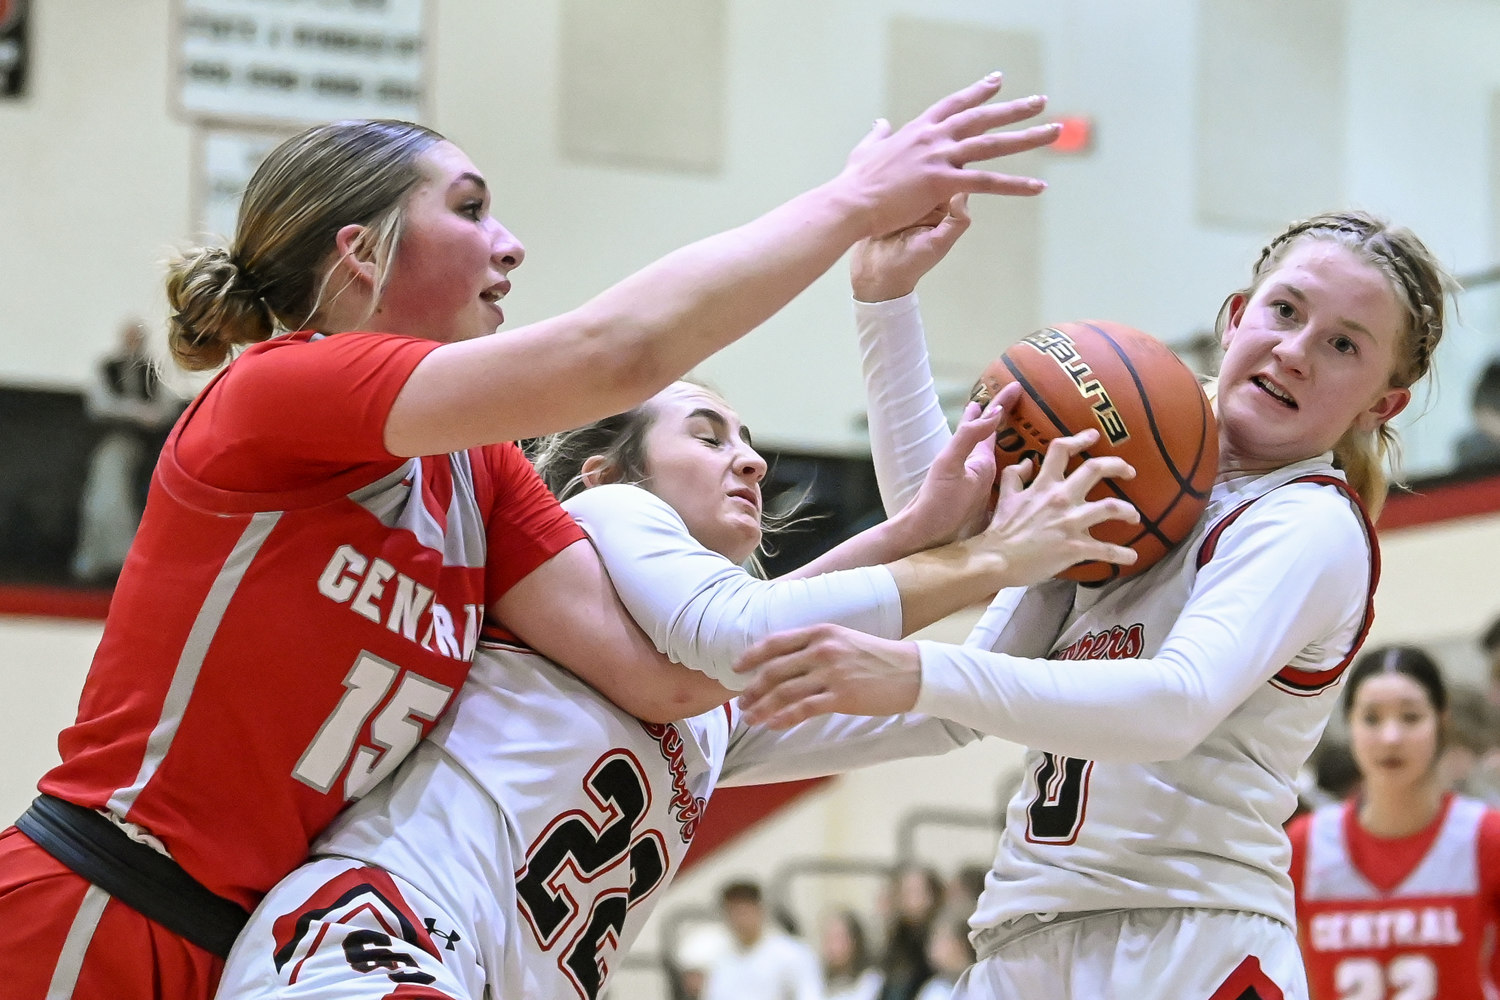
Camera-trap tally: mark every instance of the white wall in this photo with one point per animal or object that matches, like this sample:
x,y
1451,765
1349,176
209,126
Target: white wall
x,y
42,666
95,172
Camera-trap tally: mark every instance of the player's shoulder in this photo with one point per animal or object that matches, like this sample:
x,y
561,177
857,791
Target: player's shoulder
x,y
1306,506
622,500
310,348
1312,491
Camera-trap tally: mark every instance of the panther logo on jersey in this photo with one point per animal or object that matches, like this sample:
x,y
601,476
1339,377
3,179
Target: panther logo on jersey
x,y
686,807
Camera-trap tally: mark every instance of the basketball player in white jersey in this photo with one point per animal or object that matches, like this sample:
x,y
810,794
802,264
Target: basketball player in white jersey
x,y
1144,854
1398,889
519,850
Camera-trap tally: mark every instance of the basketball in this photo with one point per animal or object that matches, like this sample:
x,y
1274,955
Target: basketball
x,y
1149,409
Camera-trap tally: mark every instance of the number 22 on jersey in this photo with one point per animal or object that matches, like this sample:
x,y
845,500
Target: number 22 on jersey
x,y
1405,977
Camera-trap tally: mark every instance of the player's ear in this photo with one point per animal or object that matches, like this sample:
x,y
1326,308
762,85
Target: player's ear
x,y
1233,310
355,252
596,471
1386,406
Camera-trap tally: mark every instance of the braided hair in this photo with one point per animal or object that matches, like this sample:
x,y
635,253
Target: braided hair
x,y
1422,286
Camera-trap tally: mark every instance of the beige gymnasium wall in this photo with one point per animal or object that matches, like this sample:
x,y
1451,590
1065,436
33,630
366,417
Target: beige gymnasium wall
x,y
96,180
97,173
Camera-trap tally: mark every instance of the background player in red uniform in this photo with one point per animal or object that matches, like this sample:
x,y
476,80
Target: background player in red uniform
x,y
331,517
1398,889
1146,848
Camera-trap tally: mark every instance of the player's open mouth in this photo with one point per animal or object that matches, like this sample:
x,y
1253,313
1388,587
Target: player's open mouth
x,y
1271,389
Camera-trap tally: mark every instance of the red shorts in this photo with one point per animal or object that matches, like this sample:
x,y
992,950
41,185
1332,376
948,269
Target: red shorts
x,y
64,939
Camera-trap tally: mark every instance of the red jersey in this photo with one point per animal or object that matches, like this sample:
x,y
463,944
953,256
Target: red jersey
x,y
1406,919
298,608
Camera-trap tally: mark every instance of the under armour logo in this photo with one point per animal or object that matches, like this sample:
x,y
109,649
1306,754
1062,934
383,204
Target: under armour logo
x,y
450,937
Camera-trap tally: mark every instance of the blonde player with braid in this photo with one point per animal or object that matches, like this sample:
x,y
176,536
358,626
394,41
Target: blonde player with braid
x,y
1144,854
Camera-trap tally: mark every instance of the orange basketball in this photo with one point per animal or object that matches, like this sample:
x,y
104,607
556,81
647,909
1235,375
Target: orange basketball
x,y
1148,408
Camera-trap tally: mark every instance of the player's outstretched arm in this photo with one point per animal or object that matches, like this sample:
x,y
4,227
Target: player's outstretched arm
x,y
1286,576
630,341
951,502
907,426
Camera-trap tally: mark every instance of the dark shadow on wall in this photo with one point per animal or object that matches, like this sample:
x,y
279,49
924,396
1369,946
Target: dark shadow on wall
x,y
45,442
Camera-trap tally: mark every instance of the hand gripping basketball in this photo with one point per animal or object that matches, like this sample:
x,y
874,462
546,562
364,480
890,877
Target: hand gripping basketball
x,y
1149,409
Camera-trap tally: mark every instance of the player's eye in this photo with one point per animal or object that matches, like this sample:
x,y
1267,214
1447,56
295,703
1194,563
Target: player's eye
x,y
1345,345
1283,309
472,209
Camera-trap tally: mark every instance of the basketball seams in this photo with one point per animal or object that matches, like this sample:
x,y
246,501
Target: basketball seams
x,y
1149,527
1150,413
1171,457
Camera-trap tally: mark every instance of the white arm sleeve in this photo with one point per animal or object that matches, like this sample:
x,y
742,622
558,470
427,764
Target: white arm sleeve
x,y
1288,582
702,610
832,744
907,426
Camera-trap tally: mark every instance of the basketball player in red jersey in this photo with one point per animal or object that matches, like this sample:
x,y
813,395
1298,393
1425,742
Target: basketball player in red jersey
x,y
1398,889
1166,716
332,516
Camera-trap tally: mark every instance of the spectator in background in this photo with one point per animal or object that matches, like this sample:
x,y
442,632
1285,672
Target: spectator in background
x,y
134,412
695,954
915,897
848,971
1479,447
949,952
1470,761
967,885
1331,775
762,962
1489,645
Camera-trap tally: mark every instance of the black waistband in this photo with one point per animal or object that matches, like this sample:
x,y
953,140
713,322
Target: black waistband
x,y
144,880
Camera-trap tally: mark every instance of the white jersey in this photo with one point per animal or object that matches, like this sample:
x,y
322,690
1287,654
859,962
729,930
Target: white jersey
x,y
541,822
1226,660
1164,755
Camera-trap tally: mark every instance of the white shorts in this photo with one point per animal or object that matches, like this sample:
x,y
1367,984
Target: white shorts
x,y
1181,954
337,930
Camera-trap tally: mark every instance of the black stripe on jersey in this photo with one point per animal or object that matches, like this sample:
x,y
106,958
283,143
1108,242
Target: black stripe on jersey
x,y
1292,680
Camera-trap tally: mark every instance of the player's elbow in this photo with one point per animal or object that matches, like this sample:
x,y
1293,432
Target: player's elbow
x,y
681,695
